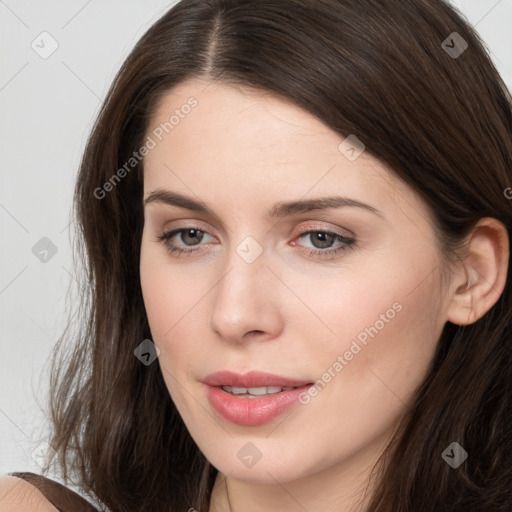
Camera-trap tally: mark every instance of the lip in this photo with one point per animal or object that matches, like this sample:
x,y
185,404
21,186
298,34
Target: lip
x,y
251,379
252,411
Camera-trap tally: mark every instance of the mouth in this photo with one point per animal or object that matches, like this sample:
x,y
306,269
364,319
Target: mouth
x,y
254,382
253,398
256,392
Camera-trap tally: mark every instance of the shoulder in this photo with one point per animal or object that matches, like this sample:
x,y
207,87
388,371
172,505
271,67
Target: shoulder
x,y
17,495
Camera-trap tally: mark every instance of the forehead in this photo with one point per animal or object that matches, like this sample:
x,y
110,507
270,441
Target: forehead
x,y
251,119
214,139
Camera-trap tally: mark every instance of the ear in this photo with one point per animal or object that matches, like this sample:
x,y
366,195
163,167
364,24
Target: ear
x,y
485,267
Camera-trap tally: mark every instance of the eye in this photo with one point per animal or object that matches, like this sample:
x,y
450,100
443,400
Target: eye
x,y
189,234
323,241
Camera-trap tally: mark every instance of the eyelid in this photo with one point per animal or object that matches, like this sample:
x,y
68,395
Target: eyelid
x,y
304,229
183,224
315,226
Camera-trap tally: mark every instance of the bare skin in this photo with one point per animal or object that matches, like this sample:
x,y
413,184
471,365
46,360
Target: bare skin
x,y
290,312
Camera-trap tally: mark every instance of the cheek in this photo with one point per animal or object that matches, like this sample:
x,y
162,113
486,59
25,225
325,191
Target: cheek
x,y
167,290
166,299
386,335
169,306
172,300
385,340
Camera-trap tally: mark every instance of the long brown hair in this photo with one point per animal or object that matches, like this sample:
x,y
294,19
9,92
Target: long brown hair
x,y
442,122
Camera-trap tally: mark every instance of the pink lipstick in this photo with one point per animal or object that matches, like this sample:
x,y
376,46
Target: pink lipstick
x,y
253,398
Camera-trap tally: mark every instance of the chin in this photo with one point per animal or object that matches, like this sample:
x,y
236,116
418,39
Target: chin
x,y
267,466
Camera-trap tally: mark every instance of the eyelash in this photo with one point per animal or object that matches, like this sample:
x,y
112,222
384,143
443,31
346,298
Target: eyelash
x,y
348,243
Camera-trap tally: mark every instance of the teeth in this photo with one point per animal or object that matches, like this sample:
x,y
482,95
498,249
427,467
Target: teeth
x,y
254,392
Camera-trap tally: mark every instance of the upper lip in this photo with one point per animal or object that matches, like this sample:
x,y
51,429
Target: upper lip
x,y
251,379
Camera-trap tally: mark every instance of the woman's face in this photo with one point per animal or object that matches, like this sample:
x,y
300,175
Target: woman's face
x,y
346,295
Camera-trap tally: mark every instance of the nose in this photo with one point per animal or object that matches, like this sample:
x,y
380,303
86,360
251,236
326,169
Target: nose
x,y
246,301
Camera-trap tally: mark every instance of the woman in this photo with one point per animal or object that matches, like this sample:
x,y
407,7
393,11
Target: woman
x,y
296,228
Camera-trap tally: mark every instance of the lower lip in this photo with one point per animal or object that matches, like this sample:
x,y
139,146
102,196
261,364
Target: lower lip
x,y
252,411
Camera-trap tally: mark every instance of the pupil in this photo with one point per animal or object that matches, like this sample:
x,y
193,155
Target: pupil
x,y
324,238
192,233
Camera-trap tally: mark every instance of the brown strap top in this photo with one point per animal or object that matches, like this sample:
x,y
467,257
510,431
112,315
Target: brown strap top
x,y
64,499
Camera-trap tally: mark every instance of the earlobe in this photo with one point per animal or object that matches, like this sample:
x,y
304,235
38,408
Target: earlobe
x,y
483,273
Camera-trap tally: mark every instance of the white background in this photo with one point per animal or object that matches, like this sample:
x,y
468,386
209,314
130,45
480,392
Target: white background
x,y
47,109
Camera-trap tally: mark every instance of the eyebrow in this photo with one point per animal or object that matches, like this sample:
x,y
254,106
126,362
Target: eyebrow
x,y
279,210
